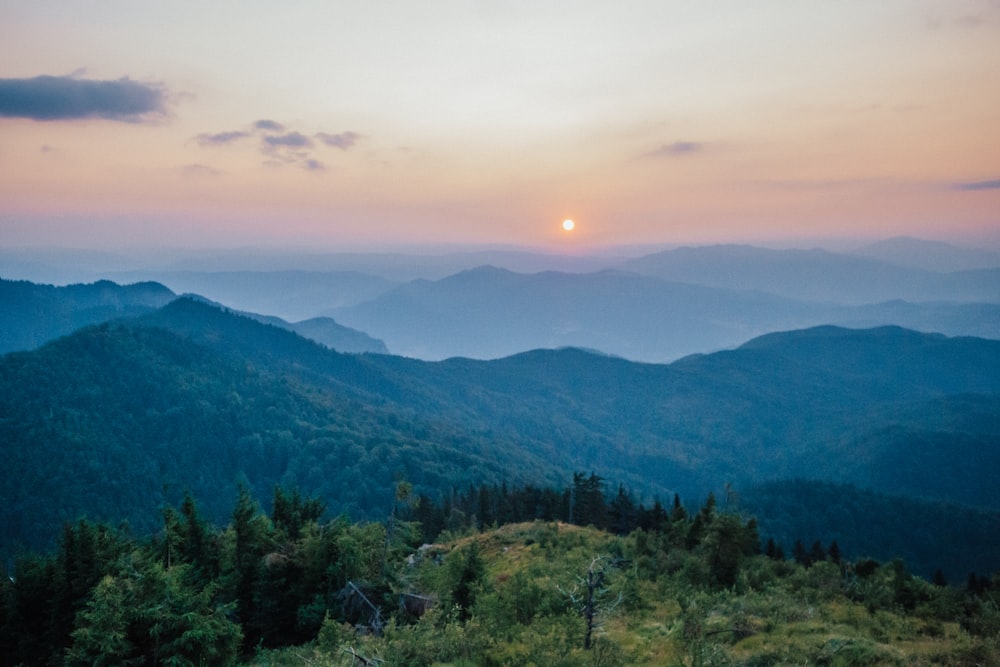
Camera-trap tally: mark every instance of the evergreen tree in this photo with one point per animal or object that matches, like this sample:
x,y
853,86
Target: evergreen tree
x,y
250,537
834,553
147,614
622,513
800,555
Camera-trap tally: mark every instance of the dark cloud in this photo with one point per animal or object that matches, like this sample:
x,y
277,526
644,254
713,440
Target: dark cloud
x,y
677,148
269,125
979,185
343,140
52,98
313,165
220,138
290,140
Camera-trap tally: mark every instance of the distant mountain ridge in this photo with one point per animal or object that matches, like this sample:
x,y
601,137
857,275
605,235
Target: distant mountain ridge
x,y
31,314
292,295
816,275
489,312
323,330
655,308
929,255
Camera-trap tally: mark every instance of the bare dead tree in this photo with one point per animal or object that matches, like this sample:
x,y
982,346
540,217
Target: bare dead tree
x,y
589,596
357,658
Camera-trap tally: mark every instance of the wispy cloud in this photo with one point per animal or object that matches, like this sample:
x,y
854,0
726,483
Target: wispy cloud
x,y
978,185
343,141
220,138
282,145
676,149
290,140
55,98
269,126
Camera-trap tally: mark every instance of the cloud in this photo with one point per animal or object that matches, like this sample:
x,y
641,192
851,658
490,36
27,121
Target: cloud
x,y
978,185
283,146
269,125
290,140
200,170
676,149
343,140
54,98
220,138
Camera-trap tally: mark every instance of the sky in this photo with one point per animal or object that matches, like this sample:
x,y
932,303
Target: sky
x,y
335,124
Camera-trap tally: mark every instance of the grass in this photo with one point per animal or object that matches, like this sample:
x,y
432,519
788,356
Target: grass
x,y
776,614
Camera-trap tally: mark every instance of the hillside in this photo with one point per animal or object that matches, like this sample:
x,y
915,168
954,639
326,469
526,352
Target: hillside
x,y
115,420
287,588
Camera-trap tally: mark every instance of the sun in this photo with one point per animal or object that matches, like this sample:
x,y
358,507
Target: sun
x,y
568,225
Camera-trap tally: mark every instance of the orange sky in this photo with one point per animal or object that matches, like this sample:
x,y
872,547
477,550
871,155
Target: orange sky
x,y
491,122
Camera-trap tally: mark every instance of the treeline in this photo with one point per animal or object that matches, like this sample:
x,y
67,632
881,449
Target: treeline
x,y
584,503
194,594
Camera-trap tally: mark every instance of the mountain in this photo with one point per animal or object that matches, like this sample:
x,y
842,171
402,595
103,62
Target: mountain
x,y
929,255
115,420
323,330
815,275
488,312
290,295
328,332
32,314
35,314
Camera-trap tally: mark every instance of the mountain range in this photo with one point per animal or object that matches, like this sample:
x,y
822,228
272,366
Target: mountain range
x,y
32,314
117,419
489,312
657,307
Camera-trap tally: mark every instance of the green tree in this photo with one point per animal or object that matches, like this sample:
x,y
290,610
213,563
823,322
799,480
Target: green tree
x,y
466,571
291,512
727,541
148,614
250,538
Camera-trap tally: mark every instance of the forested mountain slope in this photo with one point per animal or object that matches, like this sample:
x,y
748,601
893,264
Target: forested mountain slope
x,y
115,420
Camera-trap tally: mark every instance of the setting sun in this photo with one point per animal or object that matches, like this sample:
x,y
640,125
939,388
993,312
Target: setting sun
x,y
568,225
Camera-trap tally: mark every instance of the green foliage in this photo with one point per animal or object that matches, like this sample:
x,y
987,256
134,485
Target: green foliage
x,y
146,614
491,598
